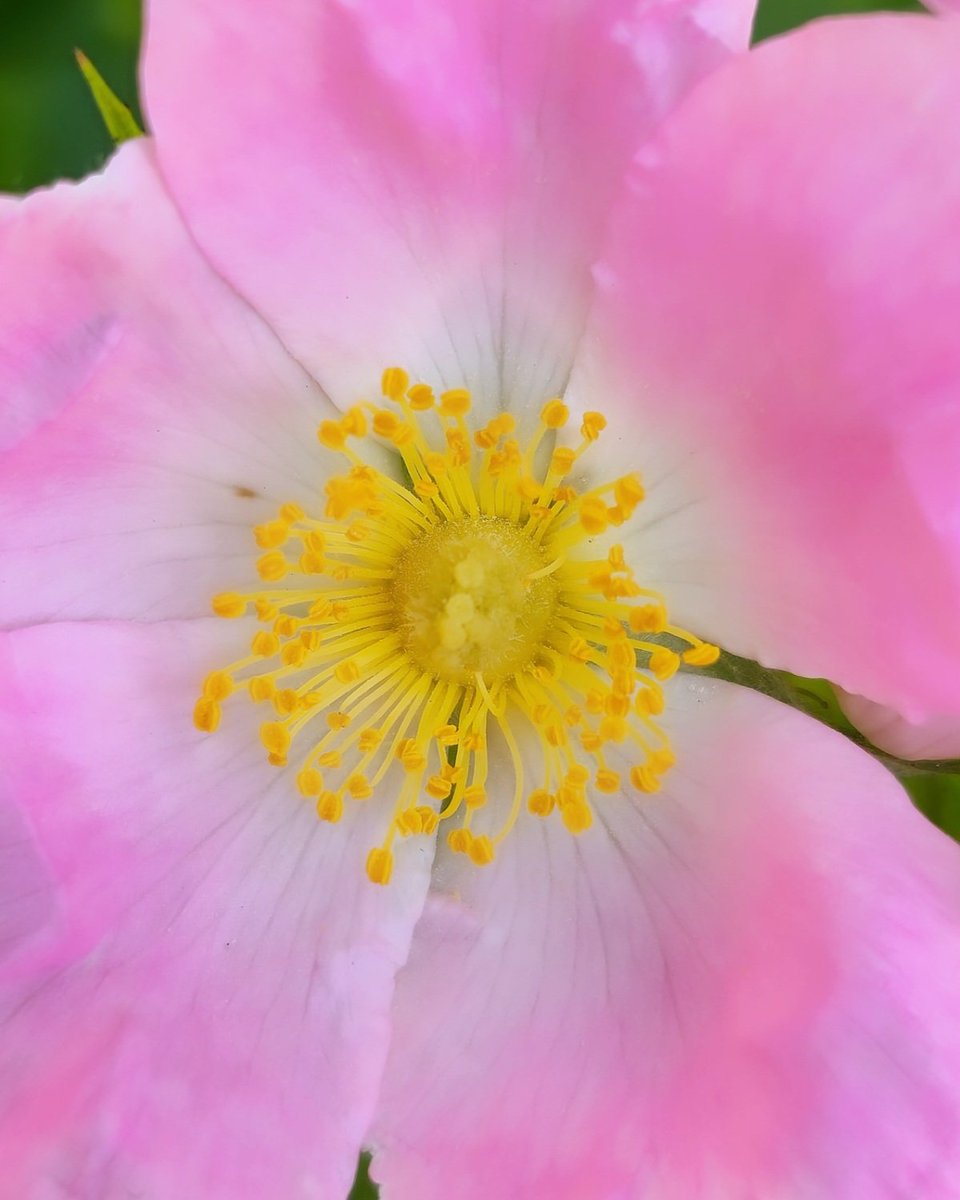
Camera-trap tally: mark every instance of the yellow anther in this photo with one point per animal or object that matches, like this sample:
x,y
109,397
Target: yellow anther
x,y
661,760
265,644
576,815
206,715
620,588
272,567
261,688
410,755
291,513
438,787
562,460
385,423
447,735
455,403
623,683
285,625
271,534
613,729
648,618
644,780
577,775
228,604
594,424
555,735
293,654
607,781
286,701
354,424
591,741
648,702
330,758
394,382
309,782
347,672
663,663
369,739
622,655
329,807
474,796
429,820
426,488
379,865
505,423
409,822
458,447
593,514
338,720
701,655
580,649
311,563
573,716
420,397
481,851
388,425
616,705
594,700
357,532
265,610
331,435
555,414
437,464
541,802
459,840
628,492
275,738
218,686
359,787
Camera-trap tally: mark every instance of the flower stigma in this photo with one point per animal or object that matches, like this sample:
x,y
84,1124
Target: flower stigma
x,y
413,621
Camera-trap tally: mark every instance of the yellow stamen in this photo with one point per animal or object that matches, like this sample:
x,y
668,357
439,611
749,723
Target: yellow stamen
x,y
405,625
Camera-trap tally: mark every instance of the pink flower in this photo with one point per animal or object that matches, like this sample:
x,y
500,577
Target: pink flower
x,y
933,737
741,987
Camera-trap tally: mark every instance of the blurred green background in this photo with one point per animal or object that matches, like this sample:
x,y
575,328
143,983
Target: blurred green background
x,y
50,128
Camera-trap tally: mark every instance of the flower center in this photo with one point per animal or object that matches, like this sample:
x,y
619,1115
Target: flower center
x,y
414,630
473,595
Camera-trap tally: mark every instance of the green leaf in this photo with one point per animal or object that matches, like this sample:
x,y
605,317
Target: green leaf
x,y
118,119
363,1187
817,699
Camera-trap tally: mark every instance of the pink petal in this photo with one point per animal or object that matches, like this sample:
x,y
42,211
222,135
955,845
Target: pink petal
x,y
743,987
149,418
205,1011
777,328
937,737
414,182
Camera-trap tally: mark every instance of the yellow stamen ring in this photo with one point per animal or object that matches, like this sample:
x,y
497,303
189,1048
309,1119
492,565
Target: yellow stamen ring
x,y
406,625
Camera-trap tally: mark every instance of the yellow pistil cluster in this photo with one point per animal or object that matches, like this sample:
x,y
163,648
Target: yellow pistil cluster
x,y
412,621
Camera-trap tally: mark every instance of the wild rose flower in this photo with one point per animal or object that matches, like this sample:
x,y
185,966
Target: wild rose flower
x,y
698,953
